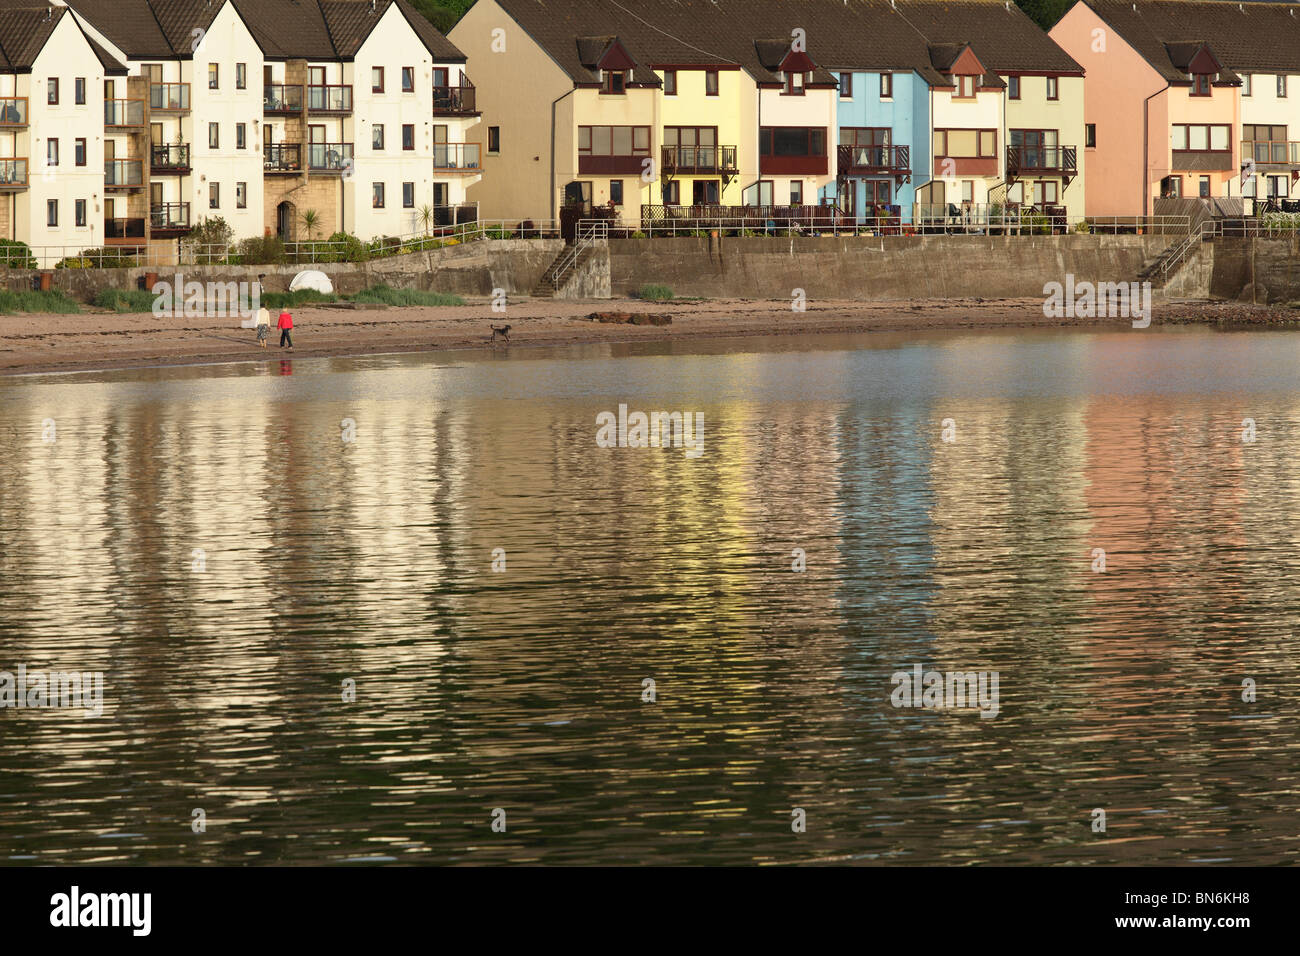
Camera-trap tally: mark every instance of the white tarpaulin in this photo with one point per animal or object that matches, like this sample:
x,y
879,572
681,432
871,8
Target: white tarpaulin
x,y
311,279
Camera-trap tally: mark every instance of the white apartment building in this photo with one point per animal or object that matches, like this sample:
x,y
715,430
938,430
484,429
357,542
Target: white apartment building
x,y
1270,135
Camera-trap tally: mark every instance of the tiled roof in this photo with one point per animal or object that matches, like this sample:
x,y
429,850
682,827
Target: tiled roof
x,y
1255,37
840,34
129,24
26,25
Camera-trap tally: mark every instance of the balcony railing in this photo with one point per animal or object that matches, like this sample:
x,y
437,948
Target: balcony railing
x,y
1061,160
1201,160
13,174
281,98
1271,152
123,173
866,160
169,159
123,112
123,229
282,158
688,160
329,157
169,97
456,157
169,217
13,111
454,99
329,98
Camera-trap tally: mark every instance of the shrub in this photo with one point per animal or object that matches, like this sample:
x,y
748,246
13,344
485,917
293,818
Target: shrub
x,y
259,250
343,247
384,246
655,293
16,255
211,236
125,300
386,295
55,301
107,257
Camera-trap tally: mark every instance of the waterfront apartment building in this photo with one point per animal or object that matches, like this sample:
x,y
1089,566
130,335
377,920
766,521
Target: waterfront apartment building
x,y
256,111
871,106
1187,99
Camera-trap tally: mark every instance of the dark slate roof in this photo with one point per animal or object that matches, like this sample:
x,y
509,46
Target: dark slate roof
x,y
841,34
440,48
26,25
1258,37
129,24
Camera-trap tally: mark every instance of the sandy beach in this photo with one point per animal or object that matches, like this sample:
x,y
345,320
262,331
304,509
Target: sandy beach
x,y
103,340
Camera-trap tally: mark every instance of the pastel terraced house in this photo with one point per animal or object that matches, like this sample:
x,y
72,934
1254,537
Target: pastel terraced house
x,y
1188,99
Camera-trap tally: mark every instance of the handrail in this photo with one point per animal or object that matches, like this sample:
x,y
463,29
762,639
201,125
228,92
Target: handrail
x,y
588,232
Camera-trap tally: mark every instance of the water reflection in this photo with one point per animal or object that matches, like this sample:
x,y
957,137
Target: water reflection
x,y
210,540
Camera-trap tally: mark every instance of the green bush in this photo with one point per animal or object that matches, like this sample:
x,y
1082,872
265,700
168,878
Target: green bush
x,y
384,246
258,250
209,232
352,250
107,257
55,301
16,255
272,301
655,293
125,300
385,295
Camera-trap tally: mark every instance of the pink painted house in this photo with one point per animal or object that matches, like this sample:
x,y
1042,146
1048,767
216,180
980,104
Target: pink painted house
x,y
1162,108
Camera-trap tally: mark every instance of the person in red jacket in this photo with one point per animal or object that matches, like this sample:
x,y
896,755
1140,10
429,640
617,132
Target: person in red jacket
x,y
286,328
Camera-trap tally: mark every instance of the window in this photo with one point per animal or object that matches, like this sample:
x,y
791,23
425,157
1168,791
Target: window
x,y
794,83
1053,88
214,76
1204,187
1201,87
79,91
1013,87
1045,192
796,192
408,195
214,195
886,86
214,136
408,79
376,79
408,136
846,86
612,149
1175,186
671,192
377,136
615,83
710,82
494,139
79,151
51,212
241,76
1245,84
241,136
377,195
79,210
792,141
1090,135
1281,86
966,143
52,92
52,151
616,192
241,195
965,88
1200,138
670,82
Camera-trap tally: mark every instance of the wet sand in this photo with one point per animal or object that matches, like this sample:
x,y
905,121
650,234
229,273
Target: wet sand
x,y
105,340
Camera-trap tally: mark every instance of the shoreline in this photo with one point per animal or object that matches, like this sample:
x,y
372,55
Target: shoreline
x,y
104,341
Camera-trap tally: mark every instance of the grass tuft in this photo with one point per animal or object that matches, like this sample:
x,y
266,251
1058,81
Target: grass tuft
x,y
54,302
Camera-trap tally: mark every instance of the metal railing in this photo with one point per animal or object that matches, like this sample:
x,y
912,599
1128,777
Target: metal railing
x,y
454,99
123,172
1042,159
590,231
282,157
331,157
169,216
460,157
330,98
124,228
169,97
281,98
873,159
13,173
169,159
13,111
699,159
124,113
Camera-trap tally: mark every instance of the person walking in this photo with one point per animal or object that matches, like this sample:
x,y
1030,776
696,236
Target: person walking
x,y
286,328
263,326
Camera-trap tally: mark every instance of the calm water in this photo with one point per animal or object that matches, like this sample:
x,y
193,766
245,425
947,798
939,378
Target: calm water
x,y
323,561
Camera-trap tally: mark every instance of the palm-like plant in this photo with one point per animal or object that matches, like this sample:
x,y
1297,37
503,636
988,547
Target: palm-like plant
x,y
425,215
311,222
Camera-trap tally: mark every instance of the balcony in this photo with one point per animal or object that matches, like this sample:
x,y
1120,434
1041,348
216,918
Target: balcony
x,y
13,112
1042,161
281,99
965,166
282,158
453,100
329,99
458,158
329,157
1201,160
13,175
169,219
169,160
699,160
169,97
874,161
1276,153
123,114
123,173
124,231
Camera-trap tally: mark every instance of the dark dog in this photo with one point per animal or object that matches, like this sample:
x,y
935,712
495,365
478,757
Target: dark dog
x,y
501,330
